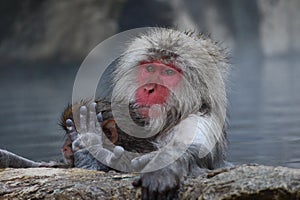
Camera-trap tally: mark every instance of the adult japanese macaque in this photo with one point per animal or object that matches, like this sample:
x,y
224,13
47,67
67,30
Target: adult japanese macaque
x,y
166,116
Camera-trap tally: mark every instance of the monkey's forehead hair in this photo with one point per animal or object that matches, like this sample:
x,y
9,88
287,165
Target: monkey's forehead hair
x,y
186,49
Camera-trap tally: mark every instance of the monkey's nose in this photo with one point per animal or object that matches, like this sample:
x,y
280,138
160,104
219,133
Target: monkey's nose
x,y
149,88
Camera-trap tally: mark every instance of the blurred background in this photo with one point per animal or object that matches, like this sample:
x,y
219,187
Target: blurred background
x,y
42,44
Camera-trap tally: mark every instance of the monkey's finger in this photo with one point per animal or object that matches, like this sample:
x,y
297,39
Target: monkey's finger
x,y
136,165
137,182
163,195
77,145
70,126
99,117
92,120
83,113
117,153
154,195
99,126
105,156
145,193
99,123
74,136
98,129
114,160
140,162
71,130
172,194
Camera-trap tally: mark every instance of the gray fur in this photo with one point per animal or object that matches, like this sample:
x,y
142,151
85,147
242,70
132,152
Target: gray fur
x,y
205,68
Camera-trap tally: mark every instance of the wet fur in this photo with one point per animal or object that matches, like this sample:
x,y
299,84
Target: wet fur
x,y
199,104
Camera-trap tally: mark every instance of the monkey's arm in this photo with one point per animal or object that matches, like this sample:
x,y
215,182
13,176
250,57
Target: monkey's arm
x,y
8,159
193,153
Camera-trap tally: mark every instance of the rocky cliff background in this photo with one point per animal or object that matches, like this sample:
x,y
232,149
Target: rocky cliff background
x,y
68,30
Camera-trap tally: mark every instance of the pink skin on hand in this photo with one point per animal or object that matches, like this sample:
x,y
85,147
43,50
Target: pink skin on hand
x,y
155,80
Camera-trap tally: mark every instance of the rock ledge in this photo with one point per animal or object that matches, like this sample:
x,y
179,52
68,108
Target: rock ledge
x,y
241,182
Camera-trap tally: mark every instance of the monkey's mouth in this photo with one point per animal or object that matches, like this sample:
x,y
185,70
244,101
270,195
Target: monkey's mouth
x,y
143,110
147,111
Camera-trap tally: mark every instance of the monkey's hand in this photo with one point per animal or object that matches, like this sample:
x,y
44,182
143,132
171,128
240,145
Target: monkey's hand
x,y
138,163
87,144
161,184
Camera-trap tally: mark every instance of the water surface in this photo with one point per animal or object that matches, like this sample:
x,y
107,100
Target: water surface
x,y
264,110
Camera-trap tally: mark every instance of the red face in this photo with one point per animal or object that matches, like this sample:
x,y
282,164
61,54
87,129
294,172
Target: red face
x,y
155,80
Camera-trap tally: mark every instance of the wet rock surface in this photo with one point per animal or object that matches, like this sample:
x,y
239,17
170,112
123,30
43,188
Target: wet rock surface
x,y
242,182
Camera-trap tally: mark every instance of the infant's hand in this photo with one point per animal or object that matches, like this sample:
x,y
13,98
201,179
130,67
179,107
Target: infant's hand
x,y
87,142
